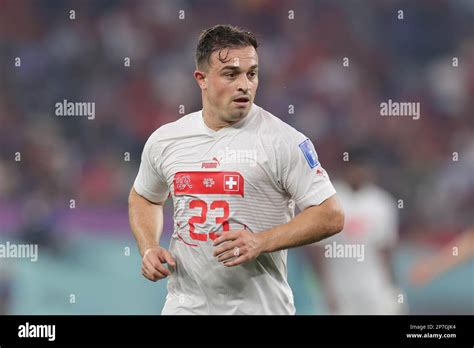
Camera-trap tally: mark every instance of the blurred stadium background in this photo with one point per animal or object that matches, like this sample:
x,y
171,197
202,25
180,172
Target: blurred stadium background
x,y
82,251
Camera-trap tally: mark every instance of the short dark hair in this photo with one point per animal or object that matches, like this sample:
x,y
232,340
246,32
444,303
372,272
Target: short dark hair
x,y
222,36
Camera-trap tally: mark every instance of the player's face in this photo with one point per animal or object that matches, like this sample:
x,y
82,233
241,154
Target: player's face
x,y
357,175
230,86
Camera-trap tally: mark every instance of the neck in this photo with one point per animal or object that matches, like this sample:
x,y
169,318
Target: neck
x,y
212,119
356,186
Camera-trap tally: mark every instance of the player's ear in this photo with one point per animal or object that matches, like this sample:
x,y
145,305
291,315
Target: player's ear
x,y
200,77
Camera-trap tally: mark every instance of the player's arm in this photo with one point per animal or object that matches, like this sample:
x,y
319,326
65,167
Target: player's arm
x,y
429,268
145,205
146,223
311,225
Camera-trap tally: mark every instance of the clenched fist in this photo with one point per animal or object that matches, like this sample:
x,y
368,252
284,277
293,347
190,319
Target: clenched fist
x,y
153,263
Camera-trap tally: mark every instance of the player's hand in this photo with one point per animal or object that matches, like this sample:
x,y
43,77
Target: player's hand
x,y
422,273
153,263
234,247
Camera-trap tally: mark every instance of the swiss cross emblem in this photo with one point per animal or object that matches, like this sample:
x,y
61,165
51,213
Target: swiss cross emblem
x,y
231,182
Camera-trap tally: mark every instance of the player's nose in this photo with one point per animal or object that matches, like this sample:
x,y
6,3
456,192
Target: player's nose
x,y
243,83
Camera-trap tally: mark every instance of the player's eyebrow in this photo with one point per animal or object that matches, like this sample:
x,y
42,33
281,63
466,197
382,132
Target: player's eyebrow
x,y
233,67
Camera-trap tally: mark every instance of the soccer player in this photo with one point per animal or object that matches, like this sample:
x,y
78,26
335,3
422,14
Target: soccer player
x,y
362,282
235,173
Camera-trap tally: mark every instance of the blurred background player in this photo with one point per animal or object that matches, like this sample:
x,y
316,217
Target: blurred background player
x,y
361,283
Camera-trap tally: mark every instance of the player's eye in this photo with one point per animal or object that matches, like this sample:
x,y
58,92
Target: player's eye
x,y
253,74
230,75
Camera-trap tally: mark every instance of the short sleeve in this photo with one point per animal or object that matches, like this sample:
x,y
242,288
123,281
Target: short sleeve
x,y
150,182
303,177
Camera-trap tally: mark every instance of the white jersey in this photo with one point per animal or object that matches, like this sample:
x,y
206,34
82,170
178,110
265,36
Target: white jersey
x,y
359,280
246,176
